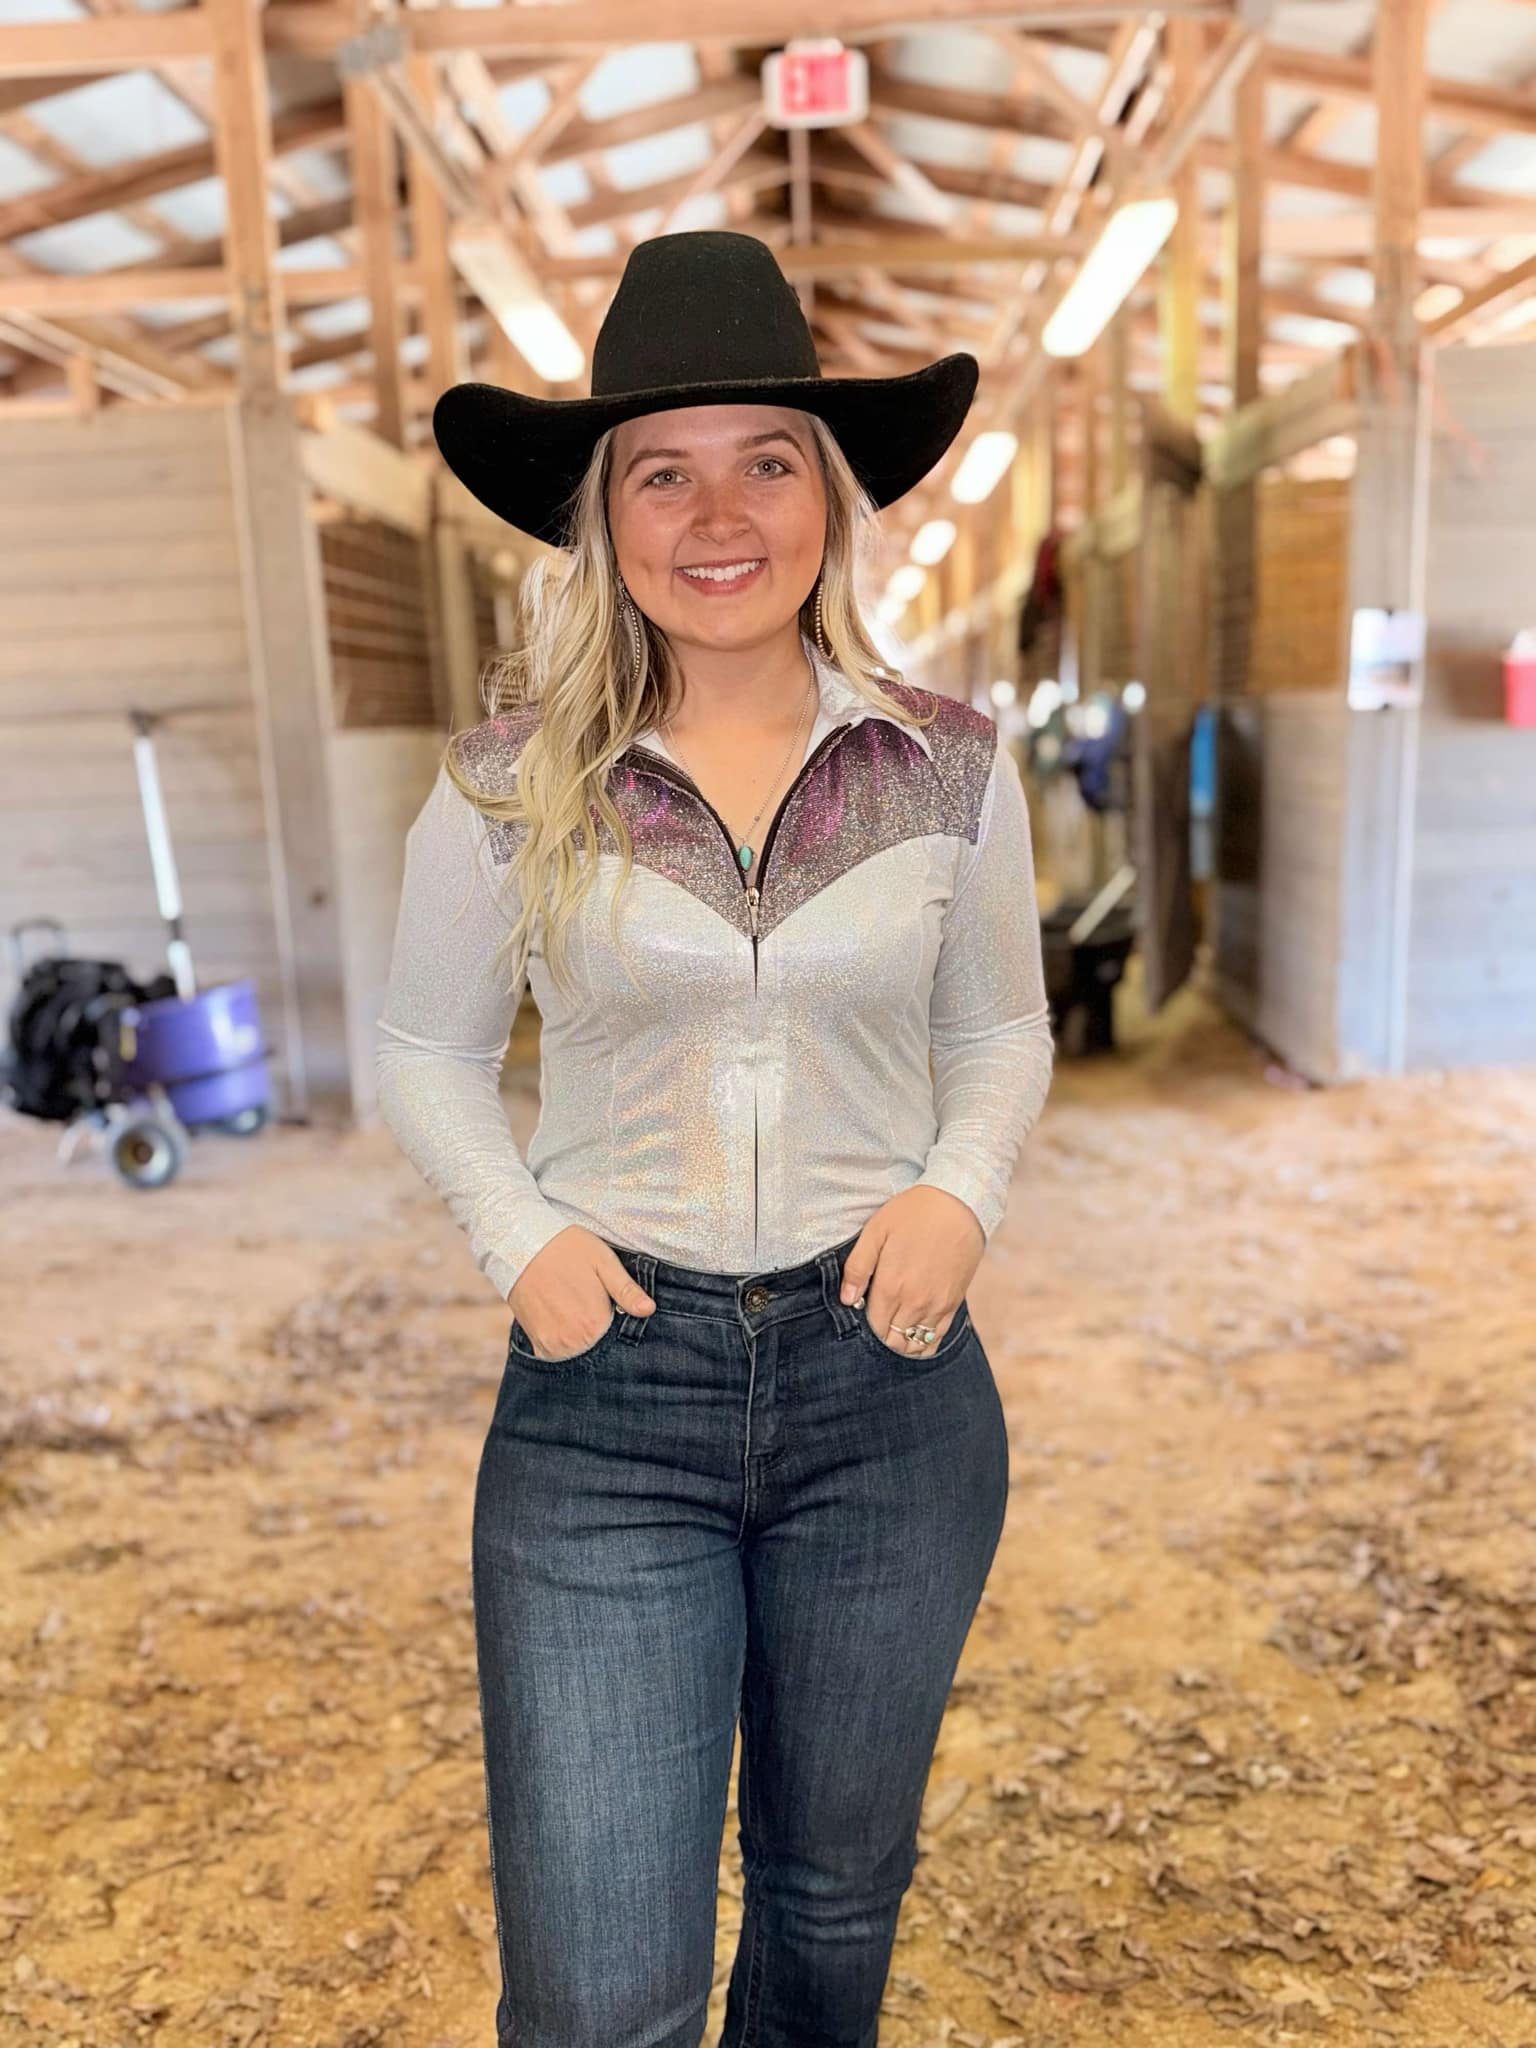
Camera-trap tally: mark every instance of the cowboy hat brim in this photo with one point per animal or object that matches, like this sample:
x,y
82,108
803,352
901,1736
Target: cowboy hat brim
x,y
524,458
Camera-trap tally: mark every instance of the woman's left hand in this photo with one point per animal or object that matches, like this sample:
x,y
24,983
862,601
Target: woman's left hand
x,y
912,1263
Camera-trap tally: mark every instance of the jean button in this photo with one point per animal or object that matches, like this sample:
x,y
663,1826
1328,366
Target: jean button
x,y
756,1298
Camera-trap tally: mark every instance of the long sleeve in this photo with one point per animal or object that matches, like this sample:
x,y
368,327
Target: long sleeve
x,y
442,1037
989,1018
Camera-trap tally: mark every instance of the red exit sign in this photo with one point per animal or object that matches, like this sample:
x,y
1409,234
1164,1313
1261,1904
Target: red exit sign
x,y
815,85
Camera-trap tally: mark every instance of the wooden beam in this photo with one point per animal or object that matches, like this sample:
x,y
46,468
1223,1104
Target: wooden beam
x,y
1354,234
121,42
1233,531
1032,61
1388,517
328,217
800,222
374,198
21,92
322,287
1488,108
121,354
745,130
1028,305
1090,385
889,94
899,305
833,163
1284,166
579,140
1245,219
1283,301
1272,429
826,259
583,25
429,235
242,145
1206,76
1401,27
565,82
108,290
1181,267
842,329
349,463
898,171
124,361
417,129
1118,364
759,170
143,177
1509,284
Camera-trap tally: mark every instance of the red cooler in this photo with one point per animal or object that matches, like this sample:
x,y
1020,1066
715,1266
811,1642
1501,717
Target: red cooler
x,y
1520,681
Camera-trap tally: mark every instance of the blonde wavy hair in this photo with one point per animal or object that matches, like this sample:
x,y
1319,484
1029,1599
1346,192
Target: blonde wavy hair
x,y
575,661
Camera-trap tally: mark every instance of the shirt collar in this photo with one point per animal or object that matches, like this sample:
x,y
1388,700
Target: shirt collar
x,y
844,705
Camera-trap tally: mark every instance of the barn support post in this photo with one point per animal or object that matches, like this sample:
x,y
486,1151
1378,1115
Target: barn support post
x,y
1386,571
291,691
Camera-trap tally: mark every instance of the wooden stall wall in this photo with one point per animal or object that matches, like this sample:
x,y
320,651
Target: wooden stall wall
x,y
373,512
1279,550
1280,776
1281,742
1471,996
481,562
379,621
121,586
1278,612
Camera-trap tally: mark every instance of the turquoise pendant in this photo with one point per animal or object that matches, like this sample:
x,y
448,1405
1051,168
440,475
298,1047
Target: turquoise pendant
x,y
744,855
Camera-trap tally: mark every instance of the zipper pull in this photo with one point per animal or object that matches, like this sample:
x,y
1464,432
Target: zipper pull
x,y
752,906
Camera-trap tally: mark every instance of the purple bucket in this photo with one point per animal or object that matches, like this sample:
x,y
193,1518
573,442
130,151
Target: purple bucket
x,y
207,1054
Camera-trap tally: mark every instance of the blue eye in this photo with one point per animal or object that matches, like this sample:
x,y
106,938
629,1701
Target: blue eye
x,y
776,460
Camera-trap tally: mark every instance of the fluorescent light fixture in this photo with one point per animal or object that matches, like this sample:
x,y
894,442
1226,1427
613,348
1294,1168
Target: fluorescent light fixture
x,y
514,298
983,464
1436,299
933,541
1132,236
905,583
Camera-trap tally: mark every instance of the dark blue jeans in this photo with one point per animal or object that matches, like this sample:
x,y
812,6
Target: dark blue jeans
x,y
744,1504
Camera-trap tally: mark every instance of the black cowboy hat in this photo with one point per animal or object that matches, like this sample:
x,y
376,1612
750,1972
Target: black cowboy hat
x,y
705,317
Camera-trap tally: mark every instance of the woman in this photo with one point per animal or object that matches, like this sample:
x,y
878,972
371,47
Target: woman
x,y
747,1457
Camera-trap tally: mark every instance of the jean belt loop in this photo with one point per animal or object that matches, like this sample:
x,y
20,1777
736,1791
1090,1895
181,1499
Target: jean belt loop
x,y
844,1315
643,1265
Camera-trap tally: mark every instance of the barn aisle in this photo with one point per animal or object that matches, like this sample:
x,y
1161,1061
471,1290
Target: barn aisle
x,y
1241,1745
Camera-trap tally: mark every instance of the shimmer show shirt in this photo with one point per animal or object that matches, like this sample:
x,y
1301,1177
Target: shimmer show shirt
x,y
747,1078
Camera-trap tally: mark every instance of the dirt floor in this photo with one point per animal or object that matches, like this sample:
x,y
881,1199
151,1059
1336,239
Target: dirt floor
x,y
1243,1743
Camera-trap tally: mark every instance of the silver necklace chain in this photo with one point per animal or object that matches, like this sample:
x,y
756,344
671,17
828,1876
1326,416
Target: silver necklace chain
x,y
746,846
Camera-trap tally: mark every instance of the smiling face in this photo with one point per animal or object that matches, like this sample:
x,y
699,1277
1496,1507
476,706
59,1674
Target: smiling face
x,y
719,516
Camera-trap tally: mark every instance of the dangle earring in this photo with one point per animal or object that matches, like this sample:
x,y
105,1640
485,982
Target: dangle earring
x,y
818,628
631,614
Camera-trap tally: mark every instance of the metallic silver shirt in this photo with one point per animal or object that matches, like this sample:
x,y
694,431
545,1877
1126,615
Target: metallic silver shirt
x,y
769,1086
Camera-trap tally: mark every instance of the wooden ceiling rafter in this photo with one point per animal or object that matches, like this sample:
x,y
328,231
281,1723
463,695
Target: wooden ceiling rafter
x,y
811,195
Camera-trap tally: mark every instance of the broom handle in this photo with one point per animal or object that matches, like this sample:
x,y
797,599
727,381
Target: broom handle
x,y
162,857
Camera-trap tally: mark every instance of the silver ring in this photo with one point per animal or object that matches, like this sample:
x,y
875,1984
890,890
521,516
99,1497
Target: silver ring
x,y
919,1333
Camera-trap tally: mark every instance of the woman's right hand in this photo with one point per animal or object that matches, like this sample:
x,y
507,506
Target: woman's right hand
x,y
570,1290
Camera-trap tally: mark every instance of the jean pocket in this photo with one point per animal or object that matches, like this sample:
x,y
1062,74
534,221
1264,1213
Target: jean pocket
x,y
519,1346
952,1340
